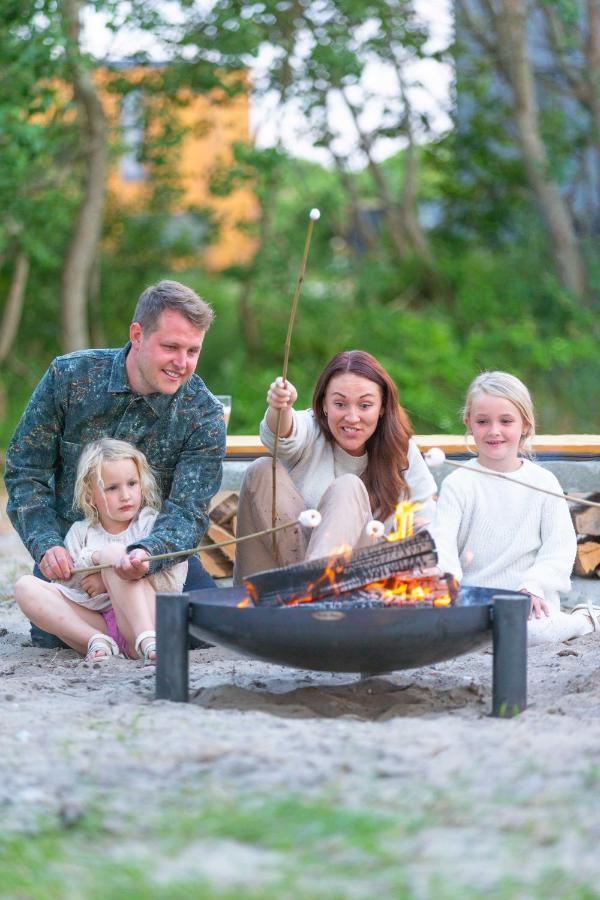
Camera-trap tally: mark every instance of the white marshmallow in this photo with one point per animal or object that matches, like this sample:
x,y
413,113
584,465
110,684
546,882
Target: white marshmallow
x,y
435,457
310,518
375,528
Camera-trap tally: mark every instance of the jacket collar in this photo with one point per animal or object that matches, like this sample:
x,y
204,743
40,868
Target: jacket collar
x,y
119,384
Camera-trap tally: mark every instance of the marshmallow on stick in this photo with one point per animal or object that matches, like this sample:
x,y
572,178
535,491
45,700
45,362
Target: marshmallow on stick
x,y
310,518
436,457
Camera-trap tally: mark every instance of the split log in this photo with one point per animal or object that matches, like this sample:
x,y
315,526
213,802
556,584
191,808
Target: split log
x,y
216,563
586,519
217,534
222,515
587,561
329,577
223,507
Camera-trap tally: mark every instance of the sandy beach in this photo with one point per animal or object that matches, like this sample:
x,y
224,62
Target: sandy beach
x,y
503,806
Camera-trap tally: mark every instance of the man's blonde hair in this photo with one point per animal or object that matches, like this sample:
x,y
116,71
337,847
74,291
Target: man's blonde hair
x,y
502,384
89,470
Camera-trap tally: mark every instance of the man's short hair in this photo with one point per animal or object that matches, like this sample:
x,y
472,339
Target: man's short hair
x,y
172,295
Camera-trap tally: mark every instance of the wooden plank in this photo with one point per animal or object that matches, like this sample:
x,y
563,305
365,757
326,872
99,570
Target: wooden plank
x,y
250,445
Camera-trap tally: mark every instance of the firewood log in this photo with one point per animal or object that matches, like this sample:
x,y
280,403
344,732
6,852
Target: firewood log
x,y
586,519
587,561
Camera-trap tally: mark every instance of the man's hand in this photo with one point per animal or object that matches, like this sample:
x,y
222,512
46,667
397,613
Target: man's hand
x,y
132,566
93,584
56,564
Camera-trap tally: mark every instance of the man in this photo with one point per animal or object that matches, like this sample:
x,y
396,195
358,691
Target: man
x,y
145,393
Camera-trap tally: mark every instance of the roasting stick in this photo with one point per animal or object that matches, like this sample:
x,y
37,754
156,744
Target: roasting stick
x,y
313,216
308,517
436,457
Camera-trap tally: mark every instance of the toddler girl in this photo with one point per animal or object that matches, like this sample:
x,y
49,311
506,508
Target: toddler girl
x,y
105,615
495,533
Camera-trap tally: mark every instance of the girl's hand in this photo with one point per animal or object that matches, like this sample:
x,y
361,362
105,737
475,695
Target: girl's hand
x,y
132,566
281,394
93,584
538,606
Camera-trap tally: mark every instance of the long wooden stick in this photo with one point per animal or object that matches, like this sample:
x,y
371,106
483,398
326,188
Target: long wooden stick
x,y
533,487
312,218
179,553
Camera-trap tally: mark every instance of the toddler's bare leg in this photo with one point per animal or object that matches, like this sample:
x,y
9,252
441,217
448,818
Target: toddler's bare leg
x,y
134,602
46,607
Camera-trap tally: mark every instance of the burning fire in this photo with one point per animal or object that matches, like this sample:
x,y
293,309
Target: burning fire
x,y
409,589
400,589
404,520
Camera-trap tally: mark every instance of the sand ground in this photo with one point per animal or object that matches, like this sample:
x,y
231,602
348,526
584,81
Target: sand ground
x,y
523,793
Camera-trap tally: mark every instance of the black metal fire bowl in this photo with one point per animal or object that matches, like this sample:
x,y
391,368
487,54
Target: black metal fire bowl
x,y
371,641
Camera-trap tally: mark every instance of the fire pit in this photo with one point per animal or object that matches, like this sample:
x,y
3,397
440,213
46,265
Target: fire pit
x,y
345,628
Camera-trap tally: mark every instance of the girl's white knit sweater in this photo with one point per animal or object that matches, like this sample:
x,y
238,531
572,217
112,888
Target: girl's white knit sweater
x,y
495,533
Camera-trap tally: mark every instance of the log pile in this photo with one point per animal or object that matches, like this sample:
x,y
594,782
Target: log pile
x,y
222,515
586,520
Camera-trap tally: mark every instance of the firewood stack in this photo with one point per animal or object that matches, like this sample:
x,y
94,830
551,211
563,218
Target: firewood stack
x,y
222,515
586,520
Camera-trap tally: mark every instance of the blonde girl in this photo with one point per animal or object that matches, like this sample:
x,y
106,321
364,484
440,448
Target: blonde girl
x,y
104,614
502,534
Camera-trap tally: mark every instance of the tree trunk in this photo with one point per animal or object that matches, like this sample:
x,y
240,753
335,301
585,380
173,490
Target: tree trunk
x,y
593,65
390,209
84,243
555,213
11,316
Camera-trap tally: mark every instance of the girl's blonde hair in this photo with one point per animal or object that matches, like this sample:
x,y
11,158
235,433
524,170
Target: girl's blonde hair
x,y
89,469
502,384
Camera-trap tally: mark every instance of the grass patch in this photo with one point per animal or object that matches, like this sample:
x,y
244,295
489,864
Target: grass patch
x,y
205,845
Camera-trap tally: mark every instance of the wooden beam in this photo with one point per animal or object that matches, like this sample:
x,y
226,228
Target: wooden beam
x,y
249,445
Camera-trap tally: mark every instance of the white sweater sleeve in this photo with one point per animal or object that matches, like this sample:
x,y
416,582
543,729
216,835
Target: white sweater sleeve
x,y
290,449
445,529
553,565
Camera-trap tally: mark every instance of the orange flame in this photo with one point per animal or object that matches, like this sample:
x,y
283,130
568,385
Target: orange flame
x,y
404,520
335,566
408,589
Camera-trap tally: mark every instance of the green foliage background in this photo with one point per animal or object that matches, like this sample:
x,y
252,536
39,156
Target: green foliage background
x,y
493,302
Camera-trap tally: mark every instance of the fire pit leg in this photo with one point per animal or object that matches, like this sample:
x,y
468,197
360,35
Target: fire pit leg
x,y
509,619
172,663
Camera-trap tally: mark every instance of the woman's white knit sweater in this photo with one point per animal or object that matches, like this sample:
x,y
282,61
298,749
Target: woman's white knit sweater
x,y
495,533
314,463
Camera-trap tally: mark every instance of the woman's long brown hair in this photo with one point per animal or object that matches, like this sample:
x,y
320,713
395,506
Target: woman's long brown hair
x,y
388,445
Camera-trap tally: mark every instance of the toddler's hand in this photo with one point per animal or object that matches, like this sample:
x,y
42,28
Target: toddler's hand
x,y
93,584
132,566
281,394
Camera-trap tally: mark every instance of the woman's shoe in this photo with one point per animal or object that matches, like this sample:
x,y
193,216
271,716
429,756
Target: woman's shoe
x,y
150,647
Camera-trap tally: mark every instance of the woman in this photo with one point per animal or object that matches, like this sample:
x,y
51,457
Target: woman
x,y
351,456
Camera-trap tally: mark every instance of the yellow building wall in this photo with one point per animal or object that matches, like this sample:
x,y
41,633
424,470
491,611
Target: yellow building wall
x,y
213,128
